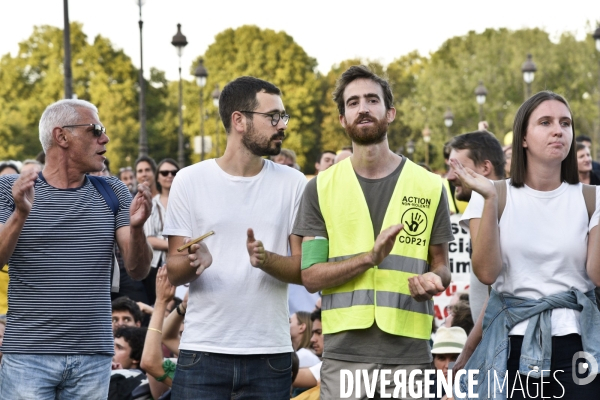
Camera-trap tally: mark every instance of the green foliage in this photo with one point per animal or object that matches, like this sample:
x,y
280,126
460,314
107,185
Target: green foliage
x,y
423,88
33,79
272,56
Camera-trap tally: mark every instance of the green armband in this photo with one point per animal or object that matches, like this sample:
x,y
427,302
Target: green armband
x,y
314,252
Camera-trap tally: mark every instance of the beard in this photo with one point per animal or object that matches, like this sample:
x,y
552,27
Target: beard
x,y
259,145
462,194
369,134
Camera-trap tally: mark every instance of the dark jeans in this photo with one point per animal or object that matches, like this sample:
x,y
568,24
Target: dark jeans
x,y
212,376
557,385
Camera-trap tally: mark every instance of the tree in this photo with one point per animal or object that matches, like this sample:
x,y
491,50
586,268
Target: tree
x,y
272,56
33,79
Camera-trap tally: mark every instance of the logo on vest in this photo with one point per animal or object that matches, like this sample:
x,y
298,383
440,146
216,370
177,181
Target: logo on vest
x,y
413,201
415,221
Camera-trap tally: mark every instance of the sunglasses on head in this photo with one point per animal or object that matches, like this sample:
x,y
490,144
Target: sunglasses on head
x,y
167,172
98,129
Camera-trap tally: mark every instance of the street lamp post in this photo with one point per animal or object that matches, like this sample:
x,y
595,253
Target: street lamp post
x,y
179,41
67,60
215,96
528,68
426,138
448,120
201,74
143,140
480,95
596,36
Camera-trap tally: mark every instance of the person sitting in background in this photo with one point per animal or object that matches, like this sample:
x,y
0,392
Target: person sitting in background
x,y
301,332
8,168
310,377
160,371
447,345
125,312
129,344
584,166
126,375
31,165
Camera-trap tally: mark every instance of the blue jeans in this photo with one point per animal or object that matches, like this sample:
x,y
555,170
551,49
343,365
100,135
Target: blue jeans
x,y
213,376
50,377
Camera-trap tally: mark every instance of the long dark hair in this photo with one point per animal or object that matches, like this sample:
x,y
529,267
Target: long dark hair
x,y
518,167
163,161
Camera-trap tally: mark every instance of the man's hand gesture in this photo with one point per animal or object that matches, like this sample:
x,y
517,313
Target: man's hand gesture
x,y
198,256
256,250
23,192
385,243
424,287
141,206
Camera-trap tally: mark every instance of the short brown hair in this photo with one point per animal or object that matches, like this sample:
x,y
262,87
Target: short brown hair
x,y
360,72
518,167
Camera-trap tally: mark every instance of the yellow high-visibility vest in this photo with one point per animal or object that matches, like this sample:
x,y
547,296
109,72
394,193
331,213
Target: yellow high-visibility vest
x,y
381,293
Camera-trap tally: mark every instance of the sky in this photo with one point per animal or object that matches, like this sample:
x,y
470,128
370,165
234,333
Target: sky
x,y
329,30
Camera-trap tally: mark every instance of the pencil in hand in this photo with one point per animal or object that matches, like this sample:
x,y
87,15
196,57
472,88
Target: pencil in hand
x,y
197,240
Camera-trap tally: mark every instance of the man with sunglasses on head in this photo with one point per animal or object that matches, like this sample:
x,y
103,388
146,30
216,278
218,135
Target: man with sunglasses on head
x,y
57,232
236,338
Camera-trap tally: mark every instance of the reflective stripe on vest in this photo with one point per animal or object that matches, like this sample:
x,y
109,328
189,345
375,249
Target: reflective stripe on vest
x,y
381,293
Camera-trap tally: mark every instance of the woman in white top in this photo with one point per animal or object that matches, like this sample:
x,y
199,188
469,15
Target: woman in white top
x,y
545,243
301,332
165,173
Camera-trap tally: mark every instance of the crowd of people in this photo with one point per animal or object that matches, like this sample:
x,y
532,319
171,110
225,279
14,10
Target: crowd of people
x,y
106,294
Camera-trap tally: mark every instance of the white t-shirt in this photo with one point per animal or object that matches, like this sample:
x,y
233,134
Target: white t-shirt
x,y
543,241
316,371
235,308
307,358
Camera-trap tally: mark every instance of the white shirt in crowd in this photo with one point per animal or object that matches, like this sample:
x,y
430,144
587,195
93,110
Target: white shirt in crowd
x,y
543,241
235,308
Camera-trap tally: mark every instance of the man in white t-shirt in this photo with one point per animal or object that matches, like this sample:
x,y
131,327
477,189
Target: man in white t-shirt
x,y
236,339
482,152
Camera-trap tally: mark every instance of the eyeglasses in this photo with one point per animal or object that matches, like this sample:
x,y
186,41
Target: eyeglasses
x,y
275,117
166,173
98,129
125,169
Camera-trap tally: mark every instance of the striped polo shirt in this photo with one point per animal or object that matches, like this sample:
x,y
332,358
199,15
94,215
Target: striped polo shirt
x,y
59,289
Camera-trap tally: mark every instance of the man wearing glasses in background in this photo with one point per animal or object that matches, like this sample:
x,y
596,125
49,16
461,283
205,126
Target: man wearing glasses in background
x,y
236,339
57,233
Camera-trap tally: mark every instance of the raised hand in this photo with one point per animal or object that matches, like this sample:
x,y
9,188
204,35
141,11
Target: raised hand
x,y
472,180
141,206
199,256
424,287
385,243
164,290
23,191
256,250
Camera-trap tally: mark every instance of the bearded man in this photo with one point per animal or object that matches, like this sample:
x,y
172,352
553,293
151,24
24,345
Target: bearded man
x,y
375,231
236,341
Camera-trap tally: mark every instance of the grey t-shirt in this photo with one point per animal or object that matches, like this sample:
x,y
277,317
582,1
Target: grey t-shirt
x,y
372,345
